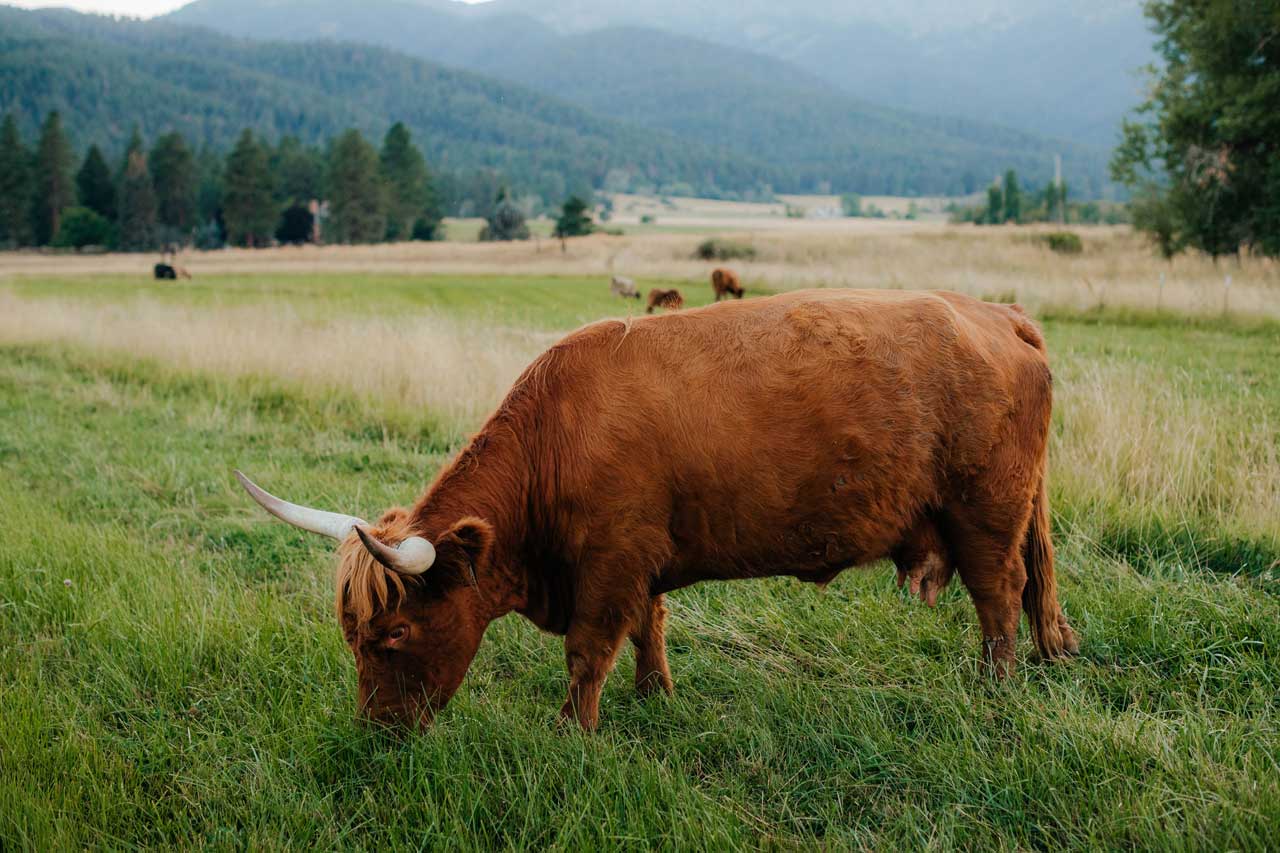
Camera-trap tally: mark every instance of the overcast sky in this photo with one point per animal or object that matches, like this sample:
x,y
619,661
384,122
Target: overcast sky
x,y
135,8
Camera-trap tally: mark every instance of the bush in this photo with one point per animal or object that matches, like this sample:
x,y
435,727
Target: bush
x,y
1063,242
82,227
427,228
716,249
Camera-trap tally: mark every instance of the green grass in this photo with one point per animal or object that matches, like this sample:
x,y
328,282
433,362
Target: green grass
x,y
189,687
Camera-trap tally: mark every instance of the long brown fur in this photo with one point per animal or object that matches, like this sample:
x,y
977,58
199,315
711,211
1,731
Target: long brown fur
x,y
798,434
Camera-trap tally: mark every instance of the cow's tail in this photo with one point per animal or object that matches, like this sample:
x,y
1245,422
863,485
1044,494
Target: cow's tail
x,y
1049,629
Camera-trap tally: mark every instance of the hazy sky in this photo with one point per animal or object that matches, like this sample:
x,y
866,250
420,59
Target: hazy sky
x,y
135,8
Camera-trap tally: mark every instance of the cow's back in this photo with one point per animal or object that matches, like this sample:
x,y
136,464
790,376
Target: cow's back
x,y
806,426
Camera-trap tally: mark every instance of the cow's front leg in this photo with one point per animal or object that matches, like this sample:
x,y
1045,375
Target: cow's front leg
x,y
590,649
649,636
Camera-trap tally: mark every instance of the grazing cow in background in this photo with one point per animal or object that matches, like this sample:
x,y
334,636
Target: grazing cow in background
x,y
624,287
797,434
671,300
725,283
165,272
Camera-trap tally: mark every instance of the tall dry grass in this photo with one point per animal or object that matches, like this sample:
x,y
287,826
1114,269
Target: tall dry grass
x,y
1136,444
432,367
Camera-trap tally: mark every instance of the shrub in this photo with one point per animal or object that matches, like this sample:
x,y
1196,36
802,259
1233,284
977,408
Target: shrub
x,y
82,227
716,249
1063,242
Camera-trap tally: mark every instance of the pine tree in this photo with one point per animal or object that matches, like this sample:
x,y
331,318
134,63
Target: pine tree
x,y
247,206
574,220
995,204
356,205
54,186
298,171
173,172
505,221
1012,198
404,172
15,186
137,202
96,187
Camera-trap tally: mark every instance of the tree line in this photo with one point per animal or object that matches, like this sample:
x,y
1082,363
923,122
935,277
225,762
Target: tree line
x,y
255,195
1010,201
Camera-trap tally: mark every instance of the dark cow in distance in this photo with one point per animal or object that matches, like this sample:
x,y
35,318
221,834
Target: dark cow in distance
x,y
725,283
797,434
670,300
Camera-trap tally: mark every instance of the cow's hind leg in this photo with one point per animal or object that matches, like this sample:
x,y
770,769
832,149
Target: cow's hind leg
x,y
986,542
649,637
924,561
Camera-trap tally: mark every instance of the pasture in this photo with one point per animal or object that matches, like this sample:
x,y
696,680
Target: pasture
x,y
171,672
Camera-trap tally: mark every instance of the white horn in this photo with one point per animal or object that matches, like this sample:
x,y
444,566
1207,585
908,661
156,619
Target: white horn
x,y
413,556
332,524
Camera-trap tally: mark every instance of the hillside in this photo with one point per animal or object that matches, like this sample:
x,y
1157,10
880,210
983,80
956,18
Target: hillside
x,y
1046,67
816,136
105,76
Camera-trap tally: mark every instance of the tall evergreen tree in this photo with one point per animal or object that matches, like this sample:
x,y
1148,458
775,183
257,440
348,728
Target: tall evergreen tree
x,y
247,206
298,171
1012,198
574,220
995,204
95,185
404,172
137,201
54,186
356,208
173,172
15,186
506,220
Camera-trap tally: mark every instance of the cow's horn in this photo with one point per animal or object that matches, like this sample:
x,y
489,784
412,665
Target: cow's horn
x,y
331,524
413,556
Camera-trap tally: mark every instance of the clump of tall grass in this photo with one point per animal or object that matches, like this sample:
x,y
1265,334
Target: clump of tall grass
x,y
428,367
1139,458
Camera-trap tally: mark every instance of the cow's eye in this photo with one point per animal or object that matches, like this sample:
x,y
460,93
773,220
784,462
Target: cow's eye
x,y
397,633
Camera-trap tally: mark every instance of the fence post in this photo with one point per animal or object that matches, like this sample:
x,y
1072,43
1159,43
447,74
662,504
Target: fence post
x,y
1226,294
1160,292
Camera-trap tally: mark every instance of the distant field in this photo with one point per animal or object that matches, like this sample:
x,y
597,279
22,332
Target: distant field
x,y
172,674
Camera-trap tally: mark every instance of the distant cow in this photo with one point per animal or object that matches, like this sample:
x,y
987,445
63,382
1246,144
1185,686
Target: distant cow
x,y
671,300
164,272
624,287
725,283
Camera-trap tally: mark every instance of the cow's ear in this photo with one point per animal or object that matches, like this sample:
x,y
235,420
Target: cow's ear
x,y
465,548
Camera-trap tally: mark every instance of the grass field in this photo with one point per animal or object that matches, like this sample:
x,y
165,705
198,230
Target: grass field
x,y
171,673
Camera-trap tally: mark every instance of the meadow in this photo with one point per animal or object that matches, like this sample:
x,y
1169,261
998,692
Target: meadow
x,y
171,673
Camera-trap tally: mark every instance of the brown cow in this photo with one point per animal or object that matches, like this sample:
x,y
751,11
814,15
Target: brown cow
x,y
671,300
725,283
797,434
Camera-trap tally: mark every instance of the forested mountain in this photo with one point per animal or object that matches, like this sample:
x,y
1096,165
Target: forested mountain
x,y
813,134
107,76
1044,66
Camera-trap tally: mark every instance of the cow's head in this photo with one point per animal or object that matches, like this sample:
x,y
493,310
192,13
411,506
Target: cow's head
x,y
410,607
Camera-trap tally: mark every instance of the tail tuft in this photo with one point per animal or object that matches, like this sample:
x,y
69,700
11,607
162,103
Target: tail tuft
x,y
1049,629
